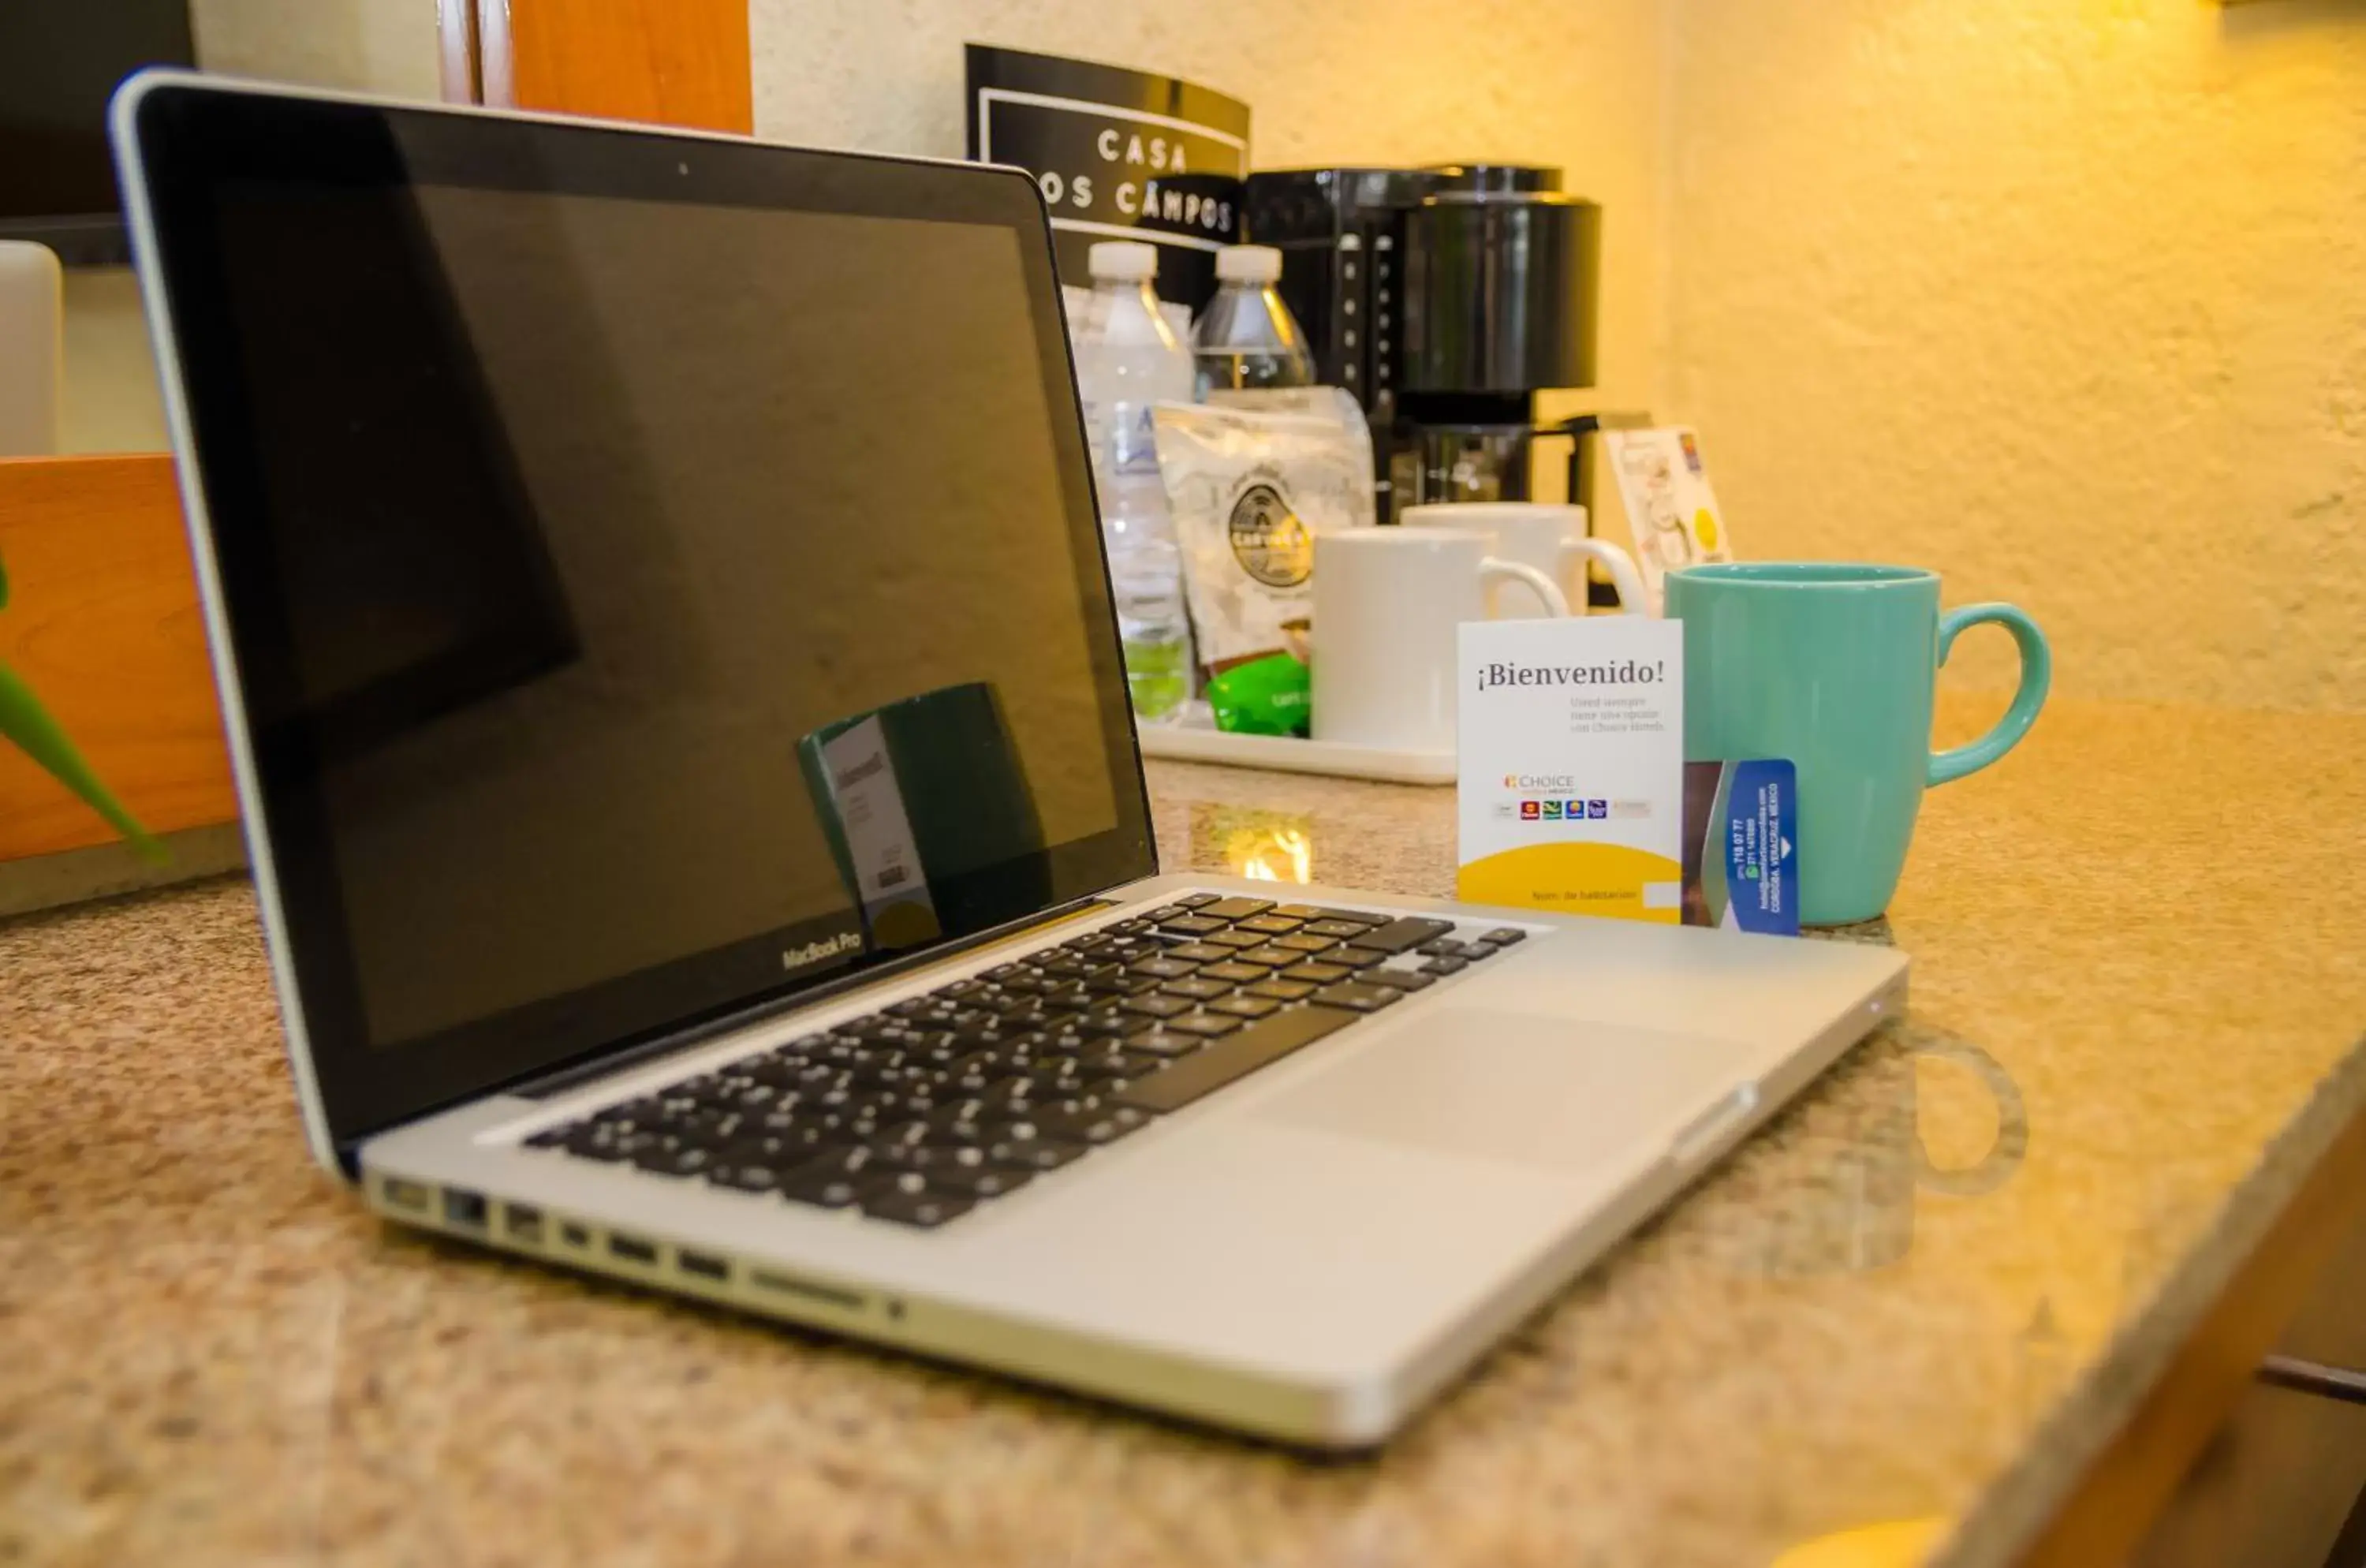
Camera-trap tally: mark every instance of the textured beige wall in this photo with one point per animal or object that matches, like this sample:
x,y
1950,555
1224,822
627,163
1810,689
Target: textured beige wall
x,y
1378,82
379,46
2065,297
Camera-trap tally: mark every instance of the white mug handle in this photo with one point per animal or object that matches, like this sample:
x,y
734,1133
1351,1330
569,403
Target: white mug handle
x,y
1632,601
1548,592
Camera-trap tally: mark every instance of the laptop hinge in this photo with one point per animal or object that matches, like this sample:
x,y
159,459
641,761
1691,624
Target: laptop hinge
x,y
557,1080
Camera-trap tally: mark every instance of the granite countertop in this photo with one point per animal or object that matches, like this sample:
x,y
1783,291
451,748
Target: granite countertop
x,y
2137,937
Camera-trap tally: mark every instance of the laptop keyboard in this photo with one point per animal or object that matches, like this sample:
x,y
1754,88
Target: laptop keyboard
x,y
922,1110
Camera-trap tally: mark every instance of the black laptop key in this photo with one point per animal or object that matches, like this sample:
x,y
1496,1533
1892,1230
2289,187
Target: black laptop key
x,y
1465,950
978,1182
1445,966
1273,924
1336,928
1104,1023
835,1179
1198,953
1235,938
1238,1054
1246,1006
924,1210
1163,1043
1234,908
1092,1126
1033,1152
1196,901
1161,968
1285,990
679,1160
747,1176
1192,925
1197,989
1504,936
1353,956
1234,971
1358,996
1157,1005
1206,1025
1270,957
1402,935
1356,918
1319,973
1401,979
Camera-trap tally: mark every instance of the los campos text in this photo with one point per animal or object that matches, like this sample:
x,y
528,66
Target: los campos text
x,y
1157,156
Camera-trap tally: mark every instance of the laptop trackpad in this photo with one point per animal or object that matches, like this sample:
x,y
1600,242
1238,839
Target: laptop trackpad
x,y
1517,1086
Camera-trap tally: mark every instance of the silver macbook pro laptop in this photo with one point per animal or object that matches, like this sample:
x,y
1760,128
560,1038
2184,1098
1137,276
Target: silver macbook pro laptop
x,y
663,637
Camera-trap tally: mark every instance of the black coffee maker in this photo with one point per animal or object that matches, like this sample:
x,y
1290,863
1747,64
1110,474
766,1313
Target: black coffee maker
x,y
1446,297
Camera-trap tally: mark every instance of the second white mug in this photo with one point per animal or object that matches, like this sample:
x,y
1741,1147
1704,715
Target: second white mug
x,y
1548,535
1386,604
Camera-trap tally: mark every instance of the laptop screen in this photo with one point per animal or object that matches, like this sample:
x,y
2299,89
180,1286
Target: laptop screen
x,y
660,573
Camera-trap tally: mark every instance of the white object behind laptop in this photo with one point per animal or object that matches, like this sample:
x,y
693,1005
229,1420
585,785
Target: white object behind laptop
x,y
1386,604
1548,535
32,355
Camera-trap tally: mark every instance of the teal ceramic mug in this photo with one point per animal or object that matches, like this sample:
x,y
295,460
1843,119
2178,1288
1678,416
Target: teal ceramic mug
x,y
1834,667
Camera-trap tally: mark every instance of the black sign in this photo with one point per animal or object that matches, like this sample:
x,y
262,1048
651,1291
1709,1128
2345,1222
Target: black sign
x,y
1119,155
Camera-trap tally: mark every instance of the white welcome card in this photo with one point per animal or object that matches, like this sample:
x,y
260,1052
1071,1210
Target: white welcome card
x,y
1572,736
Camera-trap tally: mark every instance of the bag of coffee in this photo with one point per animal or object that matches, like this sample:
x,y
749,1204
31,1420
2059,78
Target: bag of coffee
x,y
1249,489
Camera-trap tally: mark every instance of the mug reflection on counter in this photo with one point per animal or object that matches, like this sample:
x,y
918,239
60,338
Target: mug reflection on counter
x,y
1846,1205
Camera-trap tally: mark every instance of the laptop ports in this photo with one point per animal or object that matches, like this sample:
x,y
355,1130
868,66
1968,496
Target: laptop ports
x,y
632,1249
464,1208
702,1265
523,1222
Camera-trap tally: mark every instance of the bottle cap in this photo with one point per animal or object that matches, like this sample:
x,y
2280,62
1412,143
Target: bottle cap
x,y
1124,261
1246,263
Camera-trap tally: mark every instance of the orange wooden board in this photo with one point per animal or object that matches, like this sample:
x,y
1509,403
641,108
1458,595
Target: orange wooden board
x,y
666,61
102,622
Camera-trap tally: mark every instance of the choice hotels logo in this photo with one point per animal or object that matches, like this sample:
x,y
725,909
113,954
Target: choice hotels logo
x,y
814,952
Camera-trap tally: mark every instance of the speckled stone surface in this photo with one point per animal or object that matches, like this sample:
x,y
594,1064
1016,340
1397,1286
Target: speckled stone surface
x,y
2137,936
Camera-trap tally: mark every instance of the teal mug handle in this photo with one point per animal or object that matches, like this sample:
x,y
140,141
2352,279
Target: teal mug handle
x,y
2037,680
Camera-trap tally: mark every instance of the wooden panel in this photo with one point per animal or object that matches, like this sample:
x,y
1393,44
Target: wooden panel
x,y
2139,1472
667,62
102,623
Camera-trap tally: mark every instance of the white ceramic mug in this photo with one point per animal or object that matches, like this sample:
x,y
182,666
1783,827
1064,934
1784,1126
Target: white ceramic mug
x,y
1546,536
1386,604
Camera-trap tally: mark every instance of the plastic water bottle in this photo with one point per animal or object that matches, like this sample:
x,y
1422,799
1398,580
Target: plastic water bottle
x,y
1130,359
1246,340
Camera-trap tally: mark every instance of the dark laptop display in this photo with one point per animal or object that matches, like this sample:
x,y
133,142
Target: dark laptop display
x,y
659,581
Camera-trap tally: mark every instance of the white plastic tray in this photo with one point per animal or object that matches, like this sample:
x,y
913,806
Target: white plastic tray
x,y
1197,739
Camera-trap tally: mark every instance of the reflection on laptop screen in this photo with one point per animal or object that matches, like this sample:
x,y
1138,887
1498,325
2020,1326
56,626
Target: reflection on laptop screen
x,y
662,580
